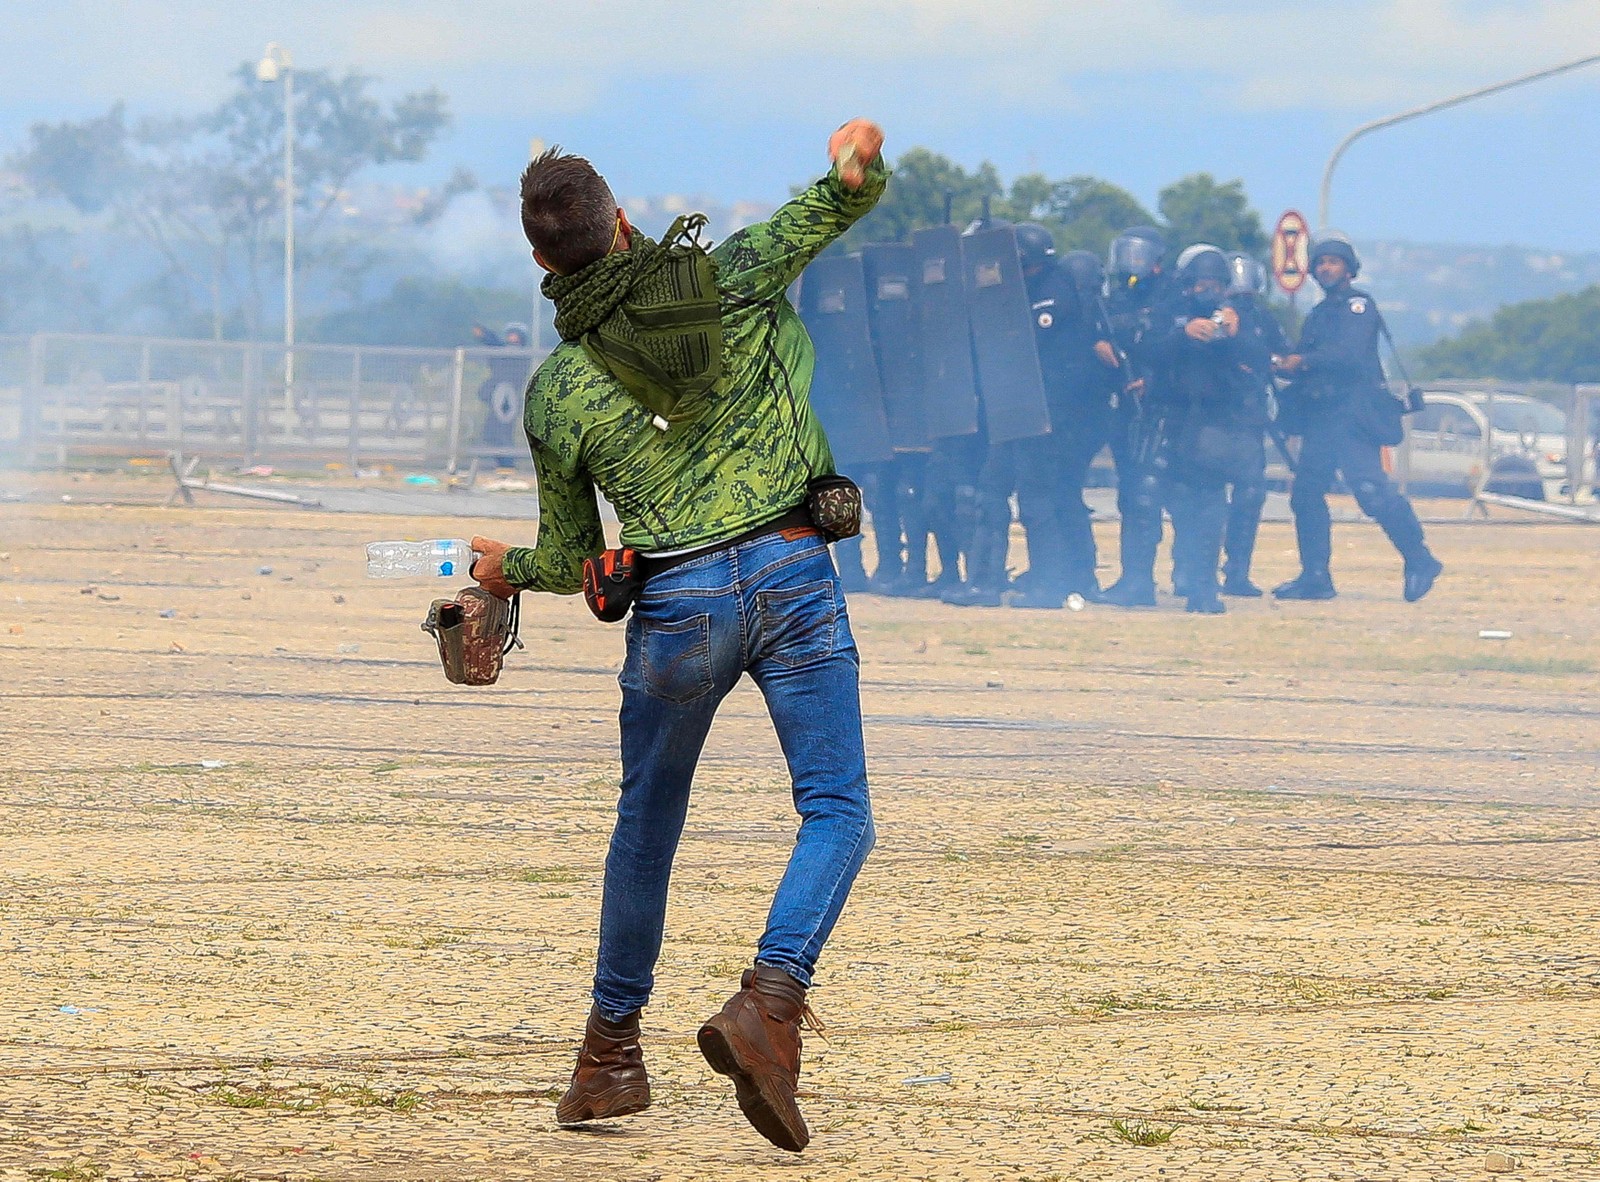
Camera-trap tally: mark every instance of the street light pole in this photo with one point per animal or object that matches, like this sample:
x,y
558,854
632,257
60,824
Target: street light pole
x,y
1430,108
275,64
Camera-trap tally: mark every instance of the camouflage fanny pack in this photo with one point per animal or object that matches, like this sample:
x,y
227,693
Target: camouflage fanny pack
x,y
833,503
474,632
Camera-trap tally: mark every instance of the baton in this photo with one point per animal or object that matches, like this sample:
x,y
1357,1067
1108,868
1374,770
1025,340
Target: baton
x,y
1275,433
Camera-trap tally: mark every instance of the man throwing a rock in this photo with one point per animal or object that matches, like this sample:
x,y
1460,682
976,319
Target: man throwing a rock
x,y
680,391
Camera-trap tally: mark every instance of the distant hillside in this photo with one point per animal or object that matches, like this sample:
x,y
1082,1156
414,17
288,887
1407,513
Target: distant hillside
x,y
1431,290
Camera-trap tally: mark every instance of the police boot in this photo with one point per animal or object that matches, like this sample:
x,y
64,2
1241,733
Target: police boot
x,y
1037,595
1420,574
1238,584
609,1079
1309,584
755,1041
1126,592
974,595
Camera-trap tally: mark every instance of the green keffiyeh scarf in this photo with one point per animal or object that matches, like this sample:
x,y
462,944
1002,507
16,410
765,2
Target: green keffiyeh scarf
x,y
649,316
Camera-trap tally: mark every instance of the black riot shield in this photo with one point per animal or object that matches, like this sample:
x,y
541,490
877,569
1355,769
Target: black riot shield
x,y
846,392
949,390
892,316
1003,348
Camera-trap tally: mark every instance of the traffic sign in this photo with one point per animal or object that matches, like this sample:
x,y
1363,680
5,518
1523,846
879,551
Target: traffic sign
x,y
1291,252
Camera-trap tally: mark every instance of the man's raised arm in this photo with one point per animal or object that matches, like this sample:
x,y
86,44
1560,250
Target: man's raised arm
x,y
762,260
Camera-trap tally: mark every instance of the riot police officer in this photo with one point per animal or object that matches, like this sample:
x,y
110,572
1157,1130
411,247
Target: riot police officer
x,y
1262,341
1341,407
985,473
1207,433
1134,283
1051,469
502,395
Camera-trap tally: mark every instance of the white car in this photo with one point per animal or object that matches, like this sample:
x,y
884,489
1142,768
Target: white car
x,y
1526,453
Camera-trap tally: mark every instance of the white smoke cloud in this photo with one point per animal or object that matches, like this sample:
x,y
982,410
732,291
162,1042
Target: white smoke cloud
x,y
479,239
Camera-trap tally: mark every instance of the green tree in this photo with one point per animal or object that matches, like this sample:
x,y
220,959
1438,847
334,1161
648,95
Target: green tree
x,y
916,196
1541,340
1198,209
1083,212
206,192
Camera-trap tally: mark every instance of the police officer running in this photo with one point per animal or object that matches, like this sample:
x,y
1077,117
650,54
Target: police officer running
x,y
1341,407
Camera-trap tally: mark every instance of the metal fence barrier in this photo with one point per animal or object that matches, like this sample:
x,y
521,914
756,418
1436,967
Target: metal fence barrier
x,y
66,396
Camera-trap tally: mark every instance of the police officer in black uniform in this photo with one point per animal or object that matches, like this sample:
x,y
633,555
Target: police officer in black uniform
x,y
502,394
985,476
1051,469
1263,343
1201,400
1341,407
1134,284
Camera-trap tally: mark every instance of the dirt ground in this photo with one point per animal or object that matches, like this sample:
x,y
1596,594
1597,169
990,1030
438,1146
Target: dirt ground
x,y
1301,892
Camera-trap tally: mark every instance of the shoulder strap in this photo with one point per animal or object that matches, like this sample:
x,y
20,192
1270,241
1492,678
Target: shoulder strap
x,y
1383,328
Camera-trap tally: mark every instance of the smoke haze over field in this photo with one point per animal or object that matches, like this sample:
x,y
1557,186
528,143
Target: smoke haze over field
x,y
690,96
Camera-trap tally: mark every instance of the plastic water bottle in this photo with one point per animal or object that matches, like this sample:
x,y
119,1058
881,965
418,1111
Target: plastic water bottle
x,y
441,558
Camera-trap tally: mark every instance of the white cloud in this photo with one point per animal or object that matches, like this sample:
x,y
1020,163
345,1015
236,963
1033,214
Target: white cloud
x,y
512,57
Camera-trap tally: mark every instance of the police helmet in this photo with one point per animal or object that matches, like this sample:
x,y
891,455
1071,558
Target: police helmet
x,y
1336,244
1203,261
1135,255
1087,272
1248,276
1035,245
518,329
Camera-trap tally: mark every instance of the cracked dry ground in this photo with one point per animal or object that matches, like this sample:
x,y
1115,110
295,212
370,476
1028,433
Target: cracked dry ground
x,y
1313,889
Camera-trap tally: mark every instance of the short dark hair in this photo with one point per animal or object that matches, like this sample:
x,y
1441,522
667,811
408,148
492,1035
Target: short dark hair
x,y
568,212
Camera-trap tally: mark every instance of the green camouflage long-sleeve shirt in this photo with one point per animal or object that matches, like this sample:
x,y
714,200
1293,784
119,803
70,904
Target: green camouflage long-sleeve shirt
x,y
744,460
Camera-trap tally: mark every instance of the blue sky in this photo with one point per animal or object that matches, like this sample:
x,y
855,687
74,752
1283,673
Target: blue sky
x,y
736,99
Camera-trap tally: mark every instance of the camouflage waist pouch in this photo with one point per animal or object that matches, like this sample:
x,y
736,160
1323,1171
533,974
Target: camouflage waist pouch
x,y
833,503
474,631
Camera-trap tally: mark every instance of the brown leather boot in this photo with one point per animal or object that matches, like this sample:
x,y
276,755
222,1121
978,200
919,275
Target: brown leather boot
x,y
755,1041
609,1079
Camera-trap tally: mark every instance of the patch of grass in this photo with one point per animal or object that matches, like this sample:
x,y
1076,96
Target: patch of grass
x,y
392,765
1468,1127
549,874
265,1098
423,944
1200,1105
1438,994
951,1027
366,1096
1492,663
1312,989
88,1171
975,650
1140,1132
1108,1003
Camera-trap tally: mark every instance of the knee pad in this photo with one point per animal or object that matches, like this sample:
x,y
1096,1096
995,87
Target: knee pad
x,y
1147,493
1372,495
1249,494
